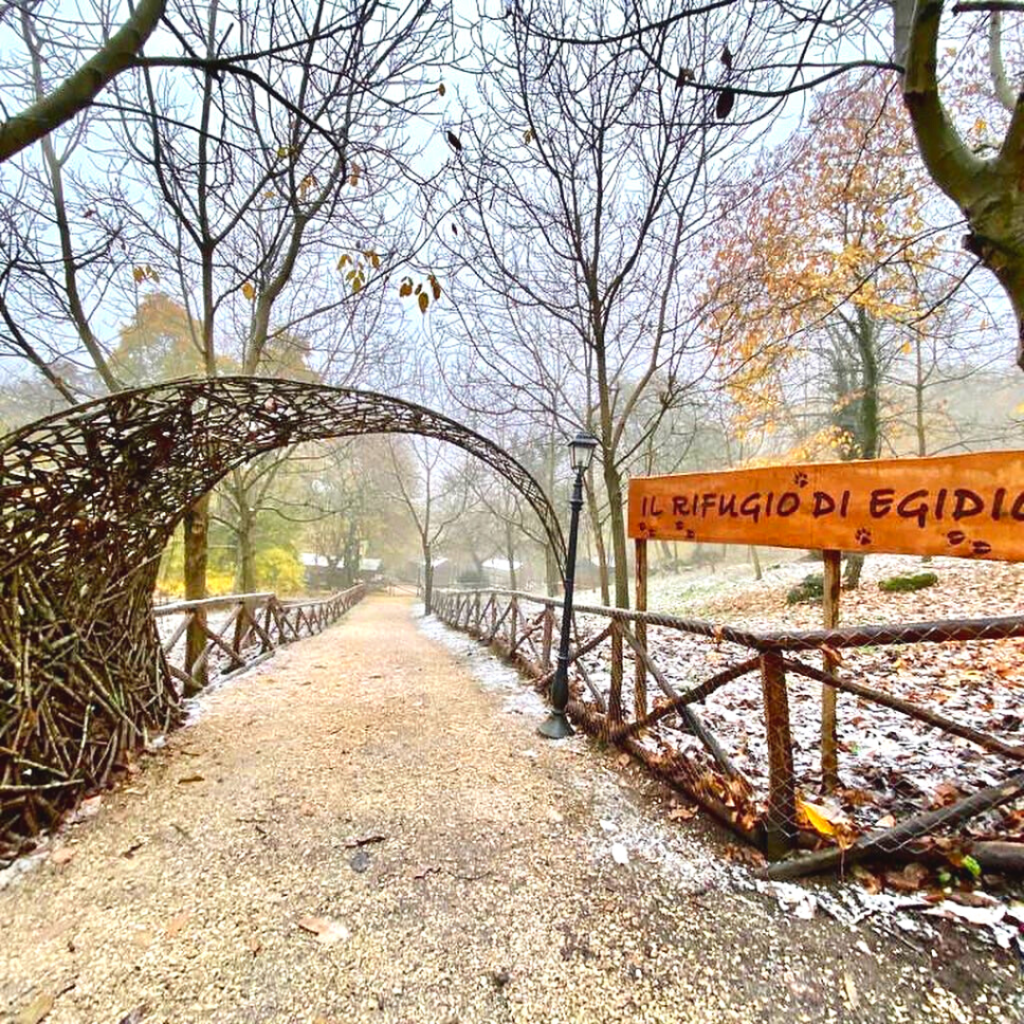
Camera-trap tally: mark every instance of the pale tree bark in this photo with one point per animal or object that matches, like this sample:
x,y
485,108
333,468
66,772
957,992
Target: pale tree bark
x,y
987,190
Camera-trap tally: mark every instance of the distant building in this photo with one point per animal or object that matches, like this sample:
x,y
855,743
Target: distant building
x,y
322,573
498,571
371,569
443,571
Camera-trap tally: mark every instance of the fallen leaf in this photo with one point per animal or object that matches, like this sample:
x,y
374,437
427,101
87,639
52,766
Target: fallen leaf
x,y
306,809
945,794
871,882
910,879
190,778
143,938
683,813
37,1010
62,855
255,945
176,923
135,1016
325,930
744,855
886,821
851,991
623,760
824,820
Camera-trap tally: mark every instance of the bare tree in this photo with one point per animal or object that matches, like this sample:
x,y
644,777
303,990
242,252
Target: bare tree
x,y
584,189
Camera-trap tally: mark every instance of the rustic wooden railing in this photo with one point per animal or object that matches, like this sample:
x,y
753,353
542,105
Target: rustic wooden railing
x,y
249,628
616,654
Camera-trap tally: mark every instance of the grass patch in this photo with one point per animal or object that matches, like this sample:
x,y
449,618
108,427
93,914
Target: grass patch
x,y
810,589
908,583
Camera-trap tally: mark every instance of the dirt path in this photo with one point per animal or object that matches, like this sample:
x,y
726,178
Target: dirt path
x,y
493,895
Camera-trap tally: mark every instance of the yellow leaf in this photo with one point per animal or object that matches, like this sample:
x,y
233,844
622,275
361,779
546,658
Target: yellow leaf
x,y
406,288
435,287
354,176
424,302
907,348
345,258
139,274
248,290
528,136
357,283
817,817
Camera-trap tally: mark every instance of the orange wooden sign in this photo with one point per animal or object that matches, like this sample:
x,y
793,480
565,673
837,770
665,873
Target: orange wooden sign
x,y
969,506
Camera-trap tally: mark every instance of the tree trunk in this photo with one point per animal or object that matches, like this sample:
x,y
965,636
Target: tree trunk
x,y
598,535
197,525
510,555
428,580
755,558
246,573
867,423
617,527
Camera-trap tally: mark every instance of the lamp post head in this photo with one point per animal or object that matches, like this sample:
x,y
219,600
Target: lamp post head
x,y
581,451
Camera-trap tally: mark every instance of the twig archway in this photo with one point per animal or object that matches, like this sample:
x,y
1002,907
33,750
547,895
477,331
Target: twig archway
x,y
88,500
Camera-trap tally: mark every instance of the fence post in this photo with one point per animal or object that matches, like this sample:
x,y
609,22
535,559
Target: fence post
x,y
781,818
829,731
615,694
640,683
549,624
241,628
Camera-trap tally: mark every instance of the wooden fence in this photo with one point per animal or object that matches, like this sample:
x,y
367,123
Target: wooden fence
x,y
250,629
739,758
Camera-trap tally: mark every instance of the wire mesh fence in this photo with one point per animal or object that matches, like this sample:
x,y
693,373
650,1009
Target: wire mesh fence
x,y
919,756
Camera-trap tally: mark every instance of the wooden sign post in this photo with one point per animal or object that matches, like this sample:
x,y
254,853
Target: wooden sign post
x,y
967,506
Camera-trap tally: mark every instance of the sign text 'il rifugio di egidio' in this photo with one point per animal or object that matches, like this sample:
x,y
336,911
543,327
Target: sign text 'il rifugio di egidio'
x,y
969,506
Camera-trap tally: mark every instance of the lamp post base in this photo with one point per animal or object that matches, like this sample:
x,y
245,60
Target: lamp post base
x,y
556,726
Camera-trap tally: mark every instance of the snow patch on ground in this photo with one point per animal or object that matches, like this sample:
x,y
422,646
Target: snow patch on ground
x,y
493,675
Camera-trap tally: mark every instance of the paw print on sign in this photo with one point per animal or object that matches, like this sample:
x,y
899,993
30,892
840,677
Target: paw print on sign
x,y
691,534
980,547
801,479
863,536
956,537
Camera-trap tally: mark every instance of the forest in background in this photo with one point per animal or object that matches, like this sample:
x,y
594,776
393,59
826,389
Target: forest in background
x,y
705,239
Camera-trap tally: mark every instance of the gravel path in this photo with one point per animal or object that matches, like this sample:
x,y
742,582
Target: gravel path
x,y
314,851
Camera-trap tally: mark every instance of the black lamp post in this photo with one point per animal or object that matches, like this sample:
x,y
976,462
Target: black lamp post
x,y
556,725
